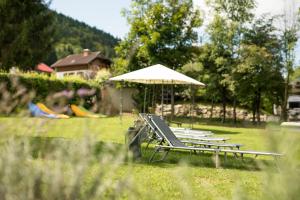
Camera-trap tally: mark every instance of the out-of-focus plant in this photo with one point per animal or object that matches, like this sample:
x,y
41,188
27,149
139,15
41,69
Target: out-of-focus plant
x,y
280,181
102,76
17,89
80,169
283,182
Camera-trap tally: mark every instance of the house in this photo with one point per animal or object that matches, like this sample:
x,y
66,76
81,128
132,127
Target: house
x,y
85,64
295,86
294,101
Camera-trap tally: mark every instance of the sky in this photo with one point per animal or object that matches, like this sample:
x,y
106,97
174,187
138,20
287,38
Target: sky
x,y
106,14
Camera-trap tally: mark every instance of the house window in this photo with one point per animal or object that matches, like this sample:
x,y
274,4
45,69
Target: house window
x,y
293,105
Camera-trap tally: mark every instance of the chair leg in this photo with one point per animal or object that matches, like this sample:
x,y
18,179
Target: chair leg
x,y
148,143
165,155
153,154
157,149
217,159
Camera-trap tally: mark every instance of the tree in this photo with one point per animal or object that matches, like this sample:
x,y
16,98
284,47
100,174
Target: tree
x,y
296,74
225,36
161,31
26,33
259,69
289,38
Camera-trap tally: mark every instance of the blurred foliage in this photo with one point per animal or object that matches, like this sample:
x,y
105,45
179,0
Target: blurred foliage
x,y
26,34
296,74
18,89
39,168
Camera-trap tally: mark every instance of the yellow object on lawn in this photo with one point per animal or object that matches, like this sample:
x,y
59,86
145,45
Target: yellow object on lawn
x,y
45,109
82,112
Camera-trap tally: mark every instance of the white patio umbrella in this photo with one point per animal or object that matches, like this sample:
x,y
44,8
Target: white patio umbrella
x,y
157,74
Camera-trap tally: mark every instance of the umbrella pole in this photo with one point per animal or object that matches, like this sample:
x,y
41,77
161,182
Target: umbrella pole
x,y
145,97
121,102
153,96
191,103
172,101
162,100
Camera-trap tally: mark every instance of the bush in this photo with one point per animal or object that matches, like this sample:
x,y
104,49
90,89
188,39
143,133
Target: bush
x,y
18,89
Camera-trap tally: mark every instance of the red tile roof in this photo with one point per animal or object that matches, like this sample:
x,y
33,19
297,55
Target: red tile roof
x,y
44,68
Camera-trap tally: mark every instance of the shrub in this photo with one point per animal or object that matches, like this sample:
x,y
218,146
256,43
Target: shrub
x,y
20,88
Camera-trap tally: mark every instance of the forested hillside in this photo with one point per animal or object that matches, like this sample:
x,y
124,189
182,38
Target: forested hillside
x,y
72,36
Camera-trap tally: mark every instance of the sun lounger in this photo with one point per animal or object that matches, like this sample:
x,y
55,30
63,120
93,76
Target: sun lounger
x,y
201,138
37,112
171,142
190,131
211,144
158,137
154,135
250,152
205,142
82,112
46,110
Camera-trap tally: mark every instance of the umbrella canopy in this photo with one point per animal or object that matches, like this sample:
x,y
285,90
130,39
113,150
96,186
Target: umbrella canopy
x,y
157,74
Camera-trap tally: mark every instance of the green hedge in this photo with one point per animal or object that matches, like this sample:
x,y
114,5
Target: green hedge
x,y
44,85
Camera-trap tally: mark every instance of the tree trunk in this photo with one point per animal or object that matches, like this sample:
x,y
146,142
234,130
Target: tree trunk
x,y
212,109
224,104
258,106
234,109
284,115
254,111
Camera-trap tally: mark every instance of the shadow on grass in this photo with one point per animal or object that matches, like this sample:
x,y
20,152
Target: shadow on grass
x,y
43,146
205,160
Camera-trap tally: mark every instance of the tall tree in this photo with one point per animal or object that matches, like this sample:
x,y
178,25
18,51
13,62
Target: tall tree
x,y
161,31
289,40
225,31
259,70
26,33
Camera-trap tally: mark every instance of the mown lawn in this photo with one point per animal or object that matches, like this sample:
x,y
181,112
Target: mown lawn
x,y
182,175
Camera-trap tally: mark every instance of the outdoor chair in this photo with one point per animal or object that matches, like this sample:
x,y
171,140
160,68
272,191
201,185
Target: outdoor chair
x,y
211,144
156,136
200,138
197,137
171,142
190,131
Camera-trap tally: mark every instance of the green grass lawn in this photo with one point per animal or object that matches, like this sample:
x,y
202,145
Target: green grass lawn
x,y
181,175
